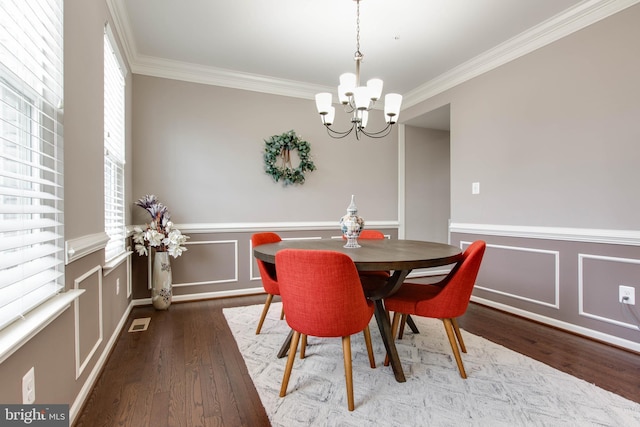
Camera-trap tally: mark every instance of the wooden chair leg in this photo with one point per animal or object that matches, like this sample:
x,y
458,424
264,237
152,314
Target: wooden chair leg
x,y
282,313
267,303
448,326
402,325
292,355
303,347
348,374
456,329
367,341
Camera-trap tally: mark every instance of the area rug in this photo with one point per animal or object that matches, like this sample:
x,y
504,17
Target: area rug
x,y
503,388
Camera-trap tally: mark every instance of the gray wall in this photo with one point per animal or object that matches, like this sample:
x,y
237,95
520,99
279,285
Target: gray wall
x,y
200,149
427,184
552,137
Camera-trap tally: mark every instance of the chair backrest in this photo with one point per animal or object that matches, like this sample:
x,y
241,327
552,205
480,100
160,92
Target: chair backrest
x,y
267,270
369,235
321,293
453,300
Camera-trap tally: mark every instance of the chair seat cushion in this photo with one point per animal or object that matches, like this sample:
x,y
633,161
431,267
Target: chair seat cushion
x,y
410,296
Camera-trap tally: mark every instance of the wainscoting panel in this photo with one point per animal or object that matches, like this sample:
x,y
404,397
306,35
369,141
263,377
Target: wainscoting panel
x,y
599,280
88,307
523,273
206,262
568,278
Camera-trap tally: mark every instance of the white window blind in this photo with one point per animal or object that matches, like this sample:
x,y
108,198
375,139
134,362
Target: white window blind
x,y
114,105
31,181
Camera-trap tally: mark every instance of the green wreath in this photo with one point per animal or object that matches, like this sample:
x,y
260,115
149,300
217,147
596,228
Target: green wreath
x,y
277,158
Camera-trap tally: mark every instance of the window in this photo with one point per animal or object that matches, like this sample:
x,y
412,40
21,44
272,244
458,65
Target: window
x,y
114,85
31,181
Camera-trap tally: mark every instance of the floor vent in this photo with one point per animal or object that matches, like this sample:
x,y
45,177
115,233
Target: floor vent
x,y
139,325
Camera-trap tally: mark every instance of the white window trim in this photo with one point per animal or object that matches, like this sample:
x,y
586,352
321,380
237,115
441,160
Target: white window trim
x,y
18,333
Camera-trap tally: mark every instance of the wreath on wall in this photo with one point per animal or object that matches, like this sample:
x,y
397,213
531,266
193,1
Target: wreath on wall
x,y
277,158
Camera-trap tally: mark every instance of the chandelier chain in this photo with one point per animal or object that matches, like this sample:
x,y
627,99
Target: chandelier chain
x,y
358,54
358,99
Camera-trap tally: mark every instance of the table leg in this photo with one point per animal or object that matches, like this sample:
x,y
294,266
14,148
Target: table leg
x,y
389,344
412,325
285,345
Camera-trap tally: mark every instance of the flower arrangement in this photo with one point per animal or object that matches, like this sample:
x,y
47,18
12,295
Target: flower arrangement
x,y
159,233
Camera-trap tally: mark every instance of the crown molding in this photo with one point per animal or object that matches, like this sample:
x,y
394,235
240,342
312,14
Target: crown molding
x,y
574,19
158,67
582,15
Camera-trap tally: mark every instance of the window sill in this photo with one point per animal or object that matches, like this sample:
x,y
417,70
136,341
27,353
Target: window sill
x,y
110,265
21,331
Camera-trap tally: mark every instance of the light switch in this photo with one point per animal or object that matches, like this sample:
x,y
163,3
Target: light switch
x,y
475,188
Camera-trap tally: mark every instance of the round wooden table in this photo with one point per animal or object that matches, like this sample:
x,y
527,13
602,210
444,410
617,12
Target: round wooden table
x,y
398,256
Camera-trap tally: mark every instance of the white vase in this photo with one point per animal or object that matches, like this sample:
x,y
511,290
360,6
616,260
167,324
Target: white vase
x,y
351,225
161,292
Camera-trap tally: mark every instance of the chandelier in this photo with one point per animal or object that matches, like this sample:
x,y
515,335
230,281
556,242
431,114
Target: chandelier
x,y
358,100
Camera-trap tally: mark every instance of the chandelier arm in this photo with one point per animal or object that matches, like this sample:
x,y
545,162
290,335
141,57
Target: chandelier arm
x,y
380,134
350,107
337,134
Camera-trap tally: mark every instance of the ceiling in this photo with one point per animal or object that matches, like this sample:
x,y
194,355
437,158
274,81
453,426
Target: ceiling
x,y
300,47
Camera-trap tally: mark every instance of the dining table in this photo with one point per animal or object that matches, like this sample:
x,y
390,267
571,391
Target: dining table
x,y
398,256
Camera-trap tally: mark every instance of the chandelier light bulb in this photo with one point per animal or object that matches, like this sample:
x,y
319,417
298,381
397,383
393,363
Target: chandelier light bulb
x,y
342,95
361,97
375,88
328,118
323,102
348,82
364,118
392,102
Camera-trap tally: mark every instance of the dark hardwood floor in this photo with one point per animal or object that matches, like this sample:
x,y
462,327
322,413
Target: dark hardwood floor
x,y
186,370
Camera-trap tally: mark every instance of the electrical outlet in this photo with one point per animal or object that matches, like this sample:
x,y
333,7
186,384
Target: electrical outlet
x,y
627,295
475,188
29,387
118,286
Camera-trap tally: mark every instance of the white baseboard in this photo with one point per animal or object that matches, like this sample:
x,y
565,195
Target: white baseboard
x,y
205,295
580,330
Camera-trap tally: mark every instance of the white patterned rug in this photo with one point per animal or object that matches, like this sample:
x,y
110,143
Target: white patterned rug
x,y
503,388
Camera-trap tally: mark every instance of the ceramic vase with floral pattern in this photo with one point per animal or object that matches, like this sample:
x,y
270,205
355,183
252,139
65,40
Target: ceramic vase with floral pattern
x,y
351,225
161,292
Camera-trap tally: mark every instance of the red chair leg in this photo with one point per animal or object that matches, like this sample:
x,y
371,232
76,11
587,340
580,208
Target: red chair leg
x,y
367,341
456,329
348,373
292,355
303,346
265,309
448,326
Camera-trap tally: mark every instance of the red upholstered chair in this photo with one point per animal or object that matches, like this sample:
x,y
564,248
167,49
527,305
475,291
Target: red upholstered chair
x,y
323,297
370,234
267,274
445,300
